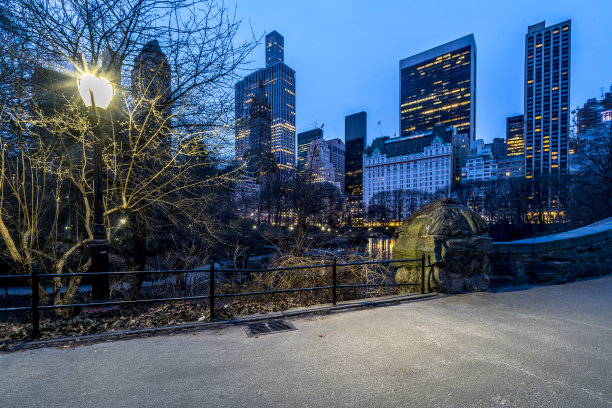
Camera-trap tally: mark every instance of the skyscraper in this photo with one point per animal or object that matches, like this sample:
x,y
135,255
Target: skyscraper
x,y
547,97
319,163
151,81
275,48
259,125
259,120
151,92
355,138
278,81
438,86
303,140
337,154
515,136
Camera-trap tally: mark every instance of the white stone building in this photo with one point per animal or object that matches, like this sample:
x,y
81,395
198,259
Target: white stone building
x,y
481,166
421,163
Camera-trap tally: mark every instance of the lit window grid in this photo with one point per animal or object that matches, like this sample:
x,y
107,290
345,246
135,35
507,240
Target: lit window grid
x,y
438,90
547,88
278,81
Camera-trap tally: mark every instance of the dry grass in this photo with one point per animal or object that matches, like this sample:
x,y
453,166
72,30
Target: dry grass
x,y
14,332
316,277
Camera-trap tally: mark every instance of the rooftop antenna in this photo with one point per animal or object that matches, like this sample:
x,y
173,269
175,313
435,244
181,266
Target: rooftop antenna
x,y
379,129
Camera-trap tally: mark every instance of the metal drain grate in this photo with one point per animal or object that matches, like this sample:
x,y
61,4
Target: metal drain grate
x,y
272,326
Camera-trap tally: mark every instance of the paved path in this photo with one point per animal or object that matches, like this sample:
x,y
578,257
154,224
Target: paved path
x,y
548,346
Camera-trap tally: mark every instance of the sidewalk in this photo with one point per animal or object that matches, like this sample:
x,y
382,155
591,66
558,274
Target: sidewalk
x,y
546,346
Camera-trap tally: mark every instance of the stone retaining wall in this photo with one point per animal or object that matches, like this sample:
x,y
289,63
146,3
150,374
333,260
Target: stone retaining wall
x,y
559,258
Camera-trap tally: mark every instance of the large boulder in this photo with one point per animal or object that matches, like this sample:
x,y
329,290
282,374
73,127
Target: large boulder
x,y
456,245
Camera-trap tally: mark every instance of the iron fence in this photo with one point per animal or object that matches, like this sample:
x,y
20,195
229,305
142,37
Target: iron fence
x,y
35,277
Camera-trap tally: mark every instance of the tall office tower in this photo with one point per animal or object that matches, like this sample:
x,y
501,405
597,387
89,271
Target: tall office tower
x,y
438,86
355,138
319,163
337,154
547,98
259,125
151,81
278,81
303,141
461,153
515,135
151,92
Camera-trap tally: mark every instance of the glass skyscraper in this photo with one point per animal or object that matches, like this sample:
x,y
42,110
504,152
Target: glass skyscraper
x,y
438,86
355,138
547,96
515,135
278,82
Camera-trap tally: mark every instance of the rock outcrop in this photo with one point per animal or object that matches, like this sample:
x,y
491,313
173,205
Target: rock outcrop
x,y
456,245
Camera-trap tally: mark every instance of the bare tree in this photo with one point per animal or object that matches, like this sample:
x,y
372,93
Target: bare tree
x,y
166,134
593,162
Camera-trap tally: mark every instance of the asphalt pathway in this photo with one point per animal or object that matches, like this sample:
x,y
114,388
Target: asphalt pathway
x,y
544,346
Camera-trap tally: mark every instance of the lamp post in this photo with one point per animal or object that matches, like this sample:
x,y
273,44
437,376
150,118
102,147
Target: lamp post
x,y
97,93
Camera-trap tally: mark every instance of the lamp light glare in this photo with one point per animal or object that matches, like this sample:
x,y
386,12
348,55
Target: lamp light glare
x,y
101,88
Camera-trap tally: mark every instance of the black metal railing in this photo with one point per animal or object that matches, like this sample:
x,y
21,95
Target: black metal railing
x,y
35,277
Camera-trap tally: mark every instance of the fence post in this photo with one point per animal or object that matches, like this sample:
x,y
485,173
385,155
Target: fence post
x,y
35,301
334,283
423,274
211,295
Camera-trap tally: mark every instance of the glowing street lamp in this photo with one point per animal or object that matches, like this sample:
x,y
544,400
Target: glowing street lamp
x,y
97,93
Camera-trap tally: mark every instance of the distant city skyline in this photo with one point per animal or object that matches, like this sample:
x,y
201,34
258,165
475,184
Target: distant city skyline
x,y
349,63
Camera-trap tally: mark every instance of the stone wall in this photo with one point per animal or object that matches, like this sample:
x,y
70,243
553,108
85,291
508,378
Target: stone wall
x,y
559,258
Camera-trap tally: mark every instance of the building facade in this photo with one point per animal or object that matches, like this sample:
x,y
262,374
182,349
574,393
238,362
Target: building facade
x,y
593,113
547,98
278,82
259,124
481,166
498,147
303,144
337,154
319,163
355,139
461,152
151,80
510,167
515,136
421,163
438,86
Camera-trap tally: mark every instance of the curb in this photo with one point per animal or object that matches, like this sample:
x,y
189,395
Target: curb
x,y
193,326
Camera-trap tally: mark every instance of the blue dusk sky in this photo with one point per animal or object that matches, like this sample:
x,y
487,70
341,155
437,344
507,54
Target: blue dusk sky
x,y
346,53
